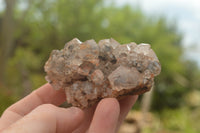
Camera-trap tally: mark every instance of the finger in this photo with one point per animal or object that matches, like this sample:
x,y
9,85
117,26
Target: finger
x,y
105,117
125,106
48,118
43,95
88,113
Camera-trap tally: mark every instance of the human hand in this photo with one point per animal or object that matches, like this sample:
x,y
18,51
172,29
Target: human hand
x,y
38,113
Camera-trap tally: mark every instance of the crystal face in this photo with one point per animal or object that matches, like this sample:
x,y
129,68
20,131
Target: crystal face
x,y
88,71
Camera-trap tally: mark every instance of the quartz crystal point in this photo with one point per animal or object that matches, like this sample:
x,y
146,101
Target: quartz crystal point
x,y
88,71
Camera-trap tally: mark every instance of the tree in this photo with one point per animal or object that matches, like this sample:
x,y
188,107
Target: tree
x,y
7,36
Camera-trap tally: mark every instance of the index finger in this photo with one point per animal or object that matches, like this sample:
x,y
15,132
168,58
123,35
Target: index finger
x,y
43,95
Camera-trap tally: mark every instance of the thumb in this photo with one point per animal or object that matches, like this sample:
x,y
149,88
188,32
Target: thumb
x,y
48,118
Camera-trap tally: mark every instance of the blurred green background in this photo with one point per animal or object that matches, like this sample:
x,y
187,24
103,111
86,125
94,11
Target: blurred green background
x,y
31,29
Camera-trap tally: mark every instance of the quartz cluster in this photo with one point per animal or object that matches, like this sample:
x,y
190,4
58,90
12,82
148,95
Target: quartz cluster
x,y
88,71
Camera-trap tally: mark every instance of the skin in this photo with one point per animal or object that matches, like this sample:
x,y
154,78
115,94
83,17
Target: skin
x,y
39,113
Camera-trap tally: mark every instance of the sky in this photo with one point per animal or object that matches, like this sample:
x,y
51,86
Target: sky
x,y
185,12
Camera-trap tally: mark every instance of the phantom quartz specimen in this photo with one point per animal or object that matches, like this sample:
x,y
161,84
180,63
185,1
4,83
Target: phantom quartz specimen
x,y
88,71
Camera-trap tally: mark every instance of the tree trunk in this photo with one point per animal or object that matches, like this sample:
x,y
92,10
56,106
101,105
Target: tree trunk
x,y
146,103
6,36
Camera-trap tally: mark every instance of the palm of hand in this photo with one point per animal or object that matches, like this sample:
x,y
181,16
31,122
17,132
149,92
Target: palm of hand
x,y
38,112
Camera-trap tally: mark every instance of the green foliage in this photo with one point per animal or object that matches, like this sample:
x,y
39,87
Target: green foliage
x,y
6,99
181,120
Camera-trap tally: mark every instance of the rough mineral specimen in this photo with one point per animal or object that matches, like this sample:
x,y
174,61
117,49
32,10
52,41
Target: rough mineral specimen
x,y
89,71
